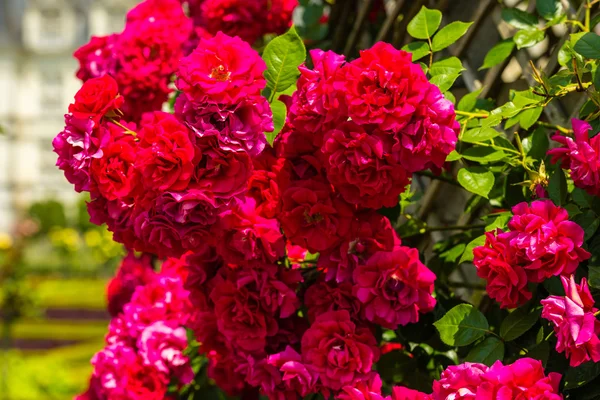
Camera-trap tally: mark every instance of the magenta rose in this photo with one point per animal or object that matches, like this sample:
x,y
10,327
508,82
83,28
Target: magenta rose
x,y
340,351
359,165
496,263
394,287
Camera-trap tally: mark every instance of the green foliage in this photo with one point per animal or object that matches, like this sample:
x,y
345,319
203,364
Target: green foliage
x,y
462,325
425,23
449,34
476,180
490,350
498,54
518,322
283,55
588,46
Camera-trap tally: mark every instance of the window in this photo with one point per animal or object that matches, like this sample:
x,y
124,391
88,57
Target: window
x,y
51,26
51,86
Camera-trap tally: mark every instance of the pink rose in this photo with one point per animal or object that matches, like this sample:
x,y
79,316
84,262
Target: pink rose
x,y
341,352
394,287
574,322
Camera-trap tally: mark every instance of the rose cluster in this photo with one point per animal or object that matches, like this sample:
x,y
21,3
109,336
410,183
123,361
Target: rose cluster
x,y
278,260
248,19
540,243
146,341
143,58
523,379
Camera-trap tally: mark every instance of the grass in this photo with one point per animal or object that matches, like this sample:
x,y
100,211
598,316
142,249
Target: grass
x,y
59,330
53,375
71,293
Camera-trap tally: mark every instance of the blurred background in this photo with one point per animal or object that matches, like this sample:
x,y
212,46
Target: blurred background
x,y
54,265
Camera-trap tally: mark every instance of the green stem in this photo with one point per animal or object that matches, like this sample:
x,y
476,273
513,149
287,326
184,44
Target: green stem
x,y
471,114
554,126
493,146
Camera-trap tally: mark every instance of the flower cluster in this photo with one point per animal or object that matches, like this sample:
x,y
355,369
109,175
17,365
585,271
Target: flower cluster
x,y
574,321
580,154
540,243
146,342
524,379
255,232
248,19
161,185
367,124
144,56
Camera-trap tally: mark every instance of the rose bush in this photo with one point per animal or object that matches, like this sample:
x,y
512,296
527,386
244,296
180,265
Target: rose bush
x,y
279,194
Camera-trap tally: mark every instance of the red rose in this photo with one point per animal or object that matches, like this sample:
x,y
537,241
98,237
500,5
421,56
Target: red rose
x,y
360,167
243,18
496,262
313,217
96,98
394,287
132,273
340,352
322,297
113,175
242,235
222,69
166,153
219,173
370,232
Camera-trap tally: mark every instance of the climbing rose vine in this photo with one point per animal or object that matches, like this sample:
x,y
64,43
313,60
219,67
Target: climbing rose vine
x,y
264,199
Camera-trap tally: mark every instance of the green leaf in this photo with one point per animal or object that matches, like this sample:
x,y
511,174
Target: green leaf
x,y
453,156
519,19
540,352
499,221
589,222
417,49
283,55
536,144
445,72
588,46
476,180
469,101
443,81
530,116
498,53
579,376
468,254
527,38
594,276
425,23
487,352
557,187
479,135
279,114
518,322
462,325
449,34
549,9
483,154
447,66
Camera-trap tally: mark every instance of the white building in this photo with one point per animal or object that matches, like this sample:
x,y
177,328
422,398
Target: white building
x,y
37,83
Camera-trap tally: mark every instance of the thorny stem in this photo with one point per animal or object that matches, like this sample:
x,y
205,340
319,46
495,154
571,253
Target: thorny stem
x,y
554,126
